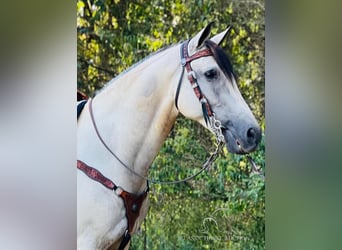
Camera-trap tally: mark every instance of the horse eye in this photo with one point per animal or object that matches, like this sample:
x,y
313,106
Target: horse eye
x,y
211,74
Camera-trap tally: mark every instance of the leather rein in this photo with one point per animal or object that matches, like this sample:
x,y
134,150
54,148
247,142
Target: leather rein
x,y
133,202
209,116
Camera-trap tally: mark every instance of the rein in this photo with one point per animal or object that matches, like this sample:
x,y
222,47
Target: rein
x,y
133,202
208,114
206,165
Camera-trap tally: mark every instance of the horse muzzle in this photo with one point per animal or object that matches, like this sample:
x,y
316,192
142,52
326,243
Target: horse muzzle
x,y
241,141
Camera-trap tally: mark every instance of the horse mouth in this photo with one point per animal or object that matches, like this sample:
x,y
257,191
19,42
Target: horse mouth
x,y
239,145
233,144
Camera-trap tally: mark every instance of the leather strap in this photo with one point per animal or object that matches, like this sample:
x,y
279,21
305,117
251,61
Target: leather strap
x,y
80,107
179,87
95,175
126,238
81,96
131,201
185,63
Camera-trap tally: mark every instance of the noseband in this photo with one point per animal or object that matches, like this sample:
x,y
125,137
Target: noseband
x,y
208,114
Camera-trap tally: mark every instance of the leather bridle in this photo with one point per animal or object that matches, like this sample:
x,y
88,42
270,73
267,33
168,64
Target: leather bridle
x,y
134,202
208,115
185,63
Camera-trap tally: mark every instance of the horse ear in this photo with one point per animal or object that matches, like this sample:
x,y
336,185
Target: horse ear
x,y
219,38
198,41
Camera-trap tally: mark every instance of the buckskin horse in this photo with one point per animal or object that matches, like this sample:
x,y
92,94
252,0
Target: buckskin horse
x,y
121,130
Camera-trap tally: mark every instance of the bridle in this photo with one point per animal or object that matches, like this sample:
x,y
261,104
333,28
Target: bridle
x,y
209,116
185,63
132,202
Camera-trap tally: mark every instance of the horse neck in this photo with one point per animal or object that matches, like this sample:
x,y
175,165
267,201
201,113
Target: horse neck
x,y
136,113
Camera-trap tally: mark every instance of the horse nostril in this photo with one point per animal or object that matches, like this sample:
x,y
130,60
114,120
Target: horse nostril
x,y
251,133
254,135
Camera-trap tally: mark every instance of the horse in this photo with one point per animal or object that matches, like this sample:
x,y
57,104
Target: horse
x,y
122,128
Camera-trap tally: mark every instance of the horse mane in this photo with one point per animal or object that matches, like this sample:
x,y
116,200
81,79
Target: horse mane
x,y
136,64
222,59
219,54
146,58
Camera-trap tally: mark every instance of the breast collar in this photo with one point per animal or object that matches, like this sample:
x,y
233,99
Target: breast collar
x,y
132,202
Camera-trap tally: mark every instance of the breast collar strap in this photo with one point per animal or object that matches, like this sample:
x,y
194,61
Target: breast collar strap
x,y
131,201
185,63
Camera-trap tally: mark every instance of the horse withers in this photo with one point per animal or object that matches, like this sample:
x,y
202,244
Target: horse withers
x,y
122,128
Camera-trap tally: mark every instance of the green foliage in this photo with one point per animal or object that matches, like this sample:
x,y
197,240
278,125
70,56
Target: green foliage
x,y
225,207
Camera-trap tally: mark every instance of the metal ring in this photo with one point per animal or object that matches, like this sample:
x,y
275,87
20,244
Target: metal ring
x,y
220,138
217,124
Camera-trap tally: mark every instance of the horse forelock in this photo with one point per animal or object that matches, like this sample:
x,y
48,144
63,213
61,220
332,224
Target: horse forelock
x,y
221,59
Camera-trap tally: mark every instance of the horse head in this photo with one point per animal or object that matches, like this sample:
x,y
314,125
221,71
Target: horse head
x,y
214,75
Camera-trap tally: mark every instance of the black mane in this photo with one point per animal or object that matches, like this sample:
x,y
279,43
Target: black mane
x,y
222,59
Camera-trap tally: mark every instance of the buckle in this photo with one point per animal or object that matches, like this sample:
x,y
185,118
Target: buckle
x,y
203,100
192,73
183,61
118,191
195,85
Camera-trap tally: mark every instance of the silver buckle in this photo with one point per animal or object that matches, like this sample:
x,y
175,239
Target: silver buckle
x,y
118,191
192,73
183,61
195,85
